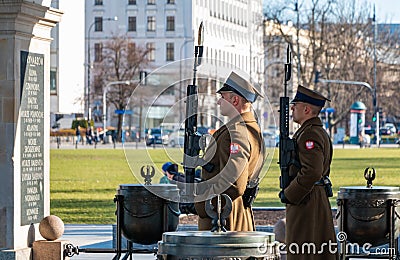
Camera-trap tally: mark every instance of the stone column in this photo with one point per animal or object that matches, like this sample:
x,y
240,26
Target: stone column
x,y
24,122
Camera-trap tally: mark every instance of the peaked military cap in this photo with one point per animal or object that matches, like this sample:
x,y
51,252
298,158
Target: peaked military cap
x,y
240,86
309,96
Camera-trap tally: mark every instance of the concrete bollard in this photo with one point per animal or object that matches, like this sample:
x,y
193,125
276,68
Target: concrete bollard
x,y
44,250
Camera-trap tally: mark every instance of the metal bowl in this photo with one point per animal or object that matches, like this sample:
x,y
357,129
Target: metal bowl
x,y
365,213
146,212
217,245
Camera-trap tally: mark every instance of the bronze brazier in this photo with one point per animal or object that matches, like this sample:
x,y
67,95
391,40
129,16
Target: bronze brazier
x,y
146,214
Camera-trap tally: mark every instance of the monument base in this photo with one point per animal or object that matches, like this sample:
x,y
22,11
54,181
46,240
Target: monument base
x,y
19,254
43,249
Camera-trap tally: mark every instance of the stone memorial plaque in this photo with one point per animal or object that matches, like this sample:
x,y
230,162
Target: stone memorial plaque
x,y
32,137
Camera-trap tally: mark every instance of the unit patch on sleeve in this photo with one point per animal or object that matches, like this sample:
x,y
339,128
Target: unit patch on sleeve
x,y
235,148
309,145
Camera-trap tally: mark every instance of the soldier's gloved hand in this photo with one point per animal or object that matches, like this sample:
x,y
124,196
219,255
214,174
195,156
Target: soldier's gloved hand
x,y
283,197
187,208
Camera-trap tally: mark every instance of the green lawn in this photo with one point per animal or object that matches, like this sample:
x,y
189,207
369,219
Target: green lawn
x,y
84,182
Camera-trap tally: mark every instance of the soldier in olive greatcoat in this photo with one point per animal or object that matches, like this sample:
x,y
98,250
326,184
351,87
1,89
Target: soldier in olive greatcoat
x,y
310,232
236,152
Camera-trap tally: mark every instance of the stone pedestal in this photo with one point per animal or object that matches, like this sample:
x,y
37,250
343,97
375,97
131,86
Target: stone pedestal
x,y
54,250
25,28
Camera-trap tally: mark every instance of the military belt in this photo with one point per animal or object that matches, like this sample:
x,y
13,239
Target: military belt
x,y
326,182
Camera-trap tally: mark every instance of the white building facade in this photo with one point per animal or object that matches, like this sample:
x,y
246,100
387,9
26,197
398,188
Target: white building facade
x,y
67,61
233,33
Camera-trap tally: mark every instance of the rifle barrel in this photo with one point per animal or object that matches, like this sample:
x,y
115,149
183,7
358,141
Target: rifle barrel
x,y
191,146
286,145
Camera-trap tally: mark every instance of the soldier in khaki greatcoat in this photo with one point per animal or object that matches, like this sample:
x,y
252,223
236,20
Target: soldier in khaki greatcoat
x,y
236,152
310,232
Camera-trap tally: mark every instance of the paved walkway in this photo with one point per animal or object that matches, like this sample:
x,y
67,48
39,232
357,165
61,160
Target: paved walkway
x,y
101,236
94,236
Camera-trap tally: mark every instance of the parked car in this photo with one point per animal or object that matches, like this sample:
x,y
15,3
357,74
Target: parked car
x,y
165,135
153,136
391,127
177,138
369,131
385,131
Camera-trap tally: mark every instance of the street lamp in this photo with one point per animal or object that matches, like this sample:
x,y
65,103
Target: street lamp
x,y
87,89
105,90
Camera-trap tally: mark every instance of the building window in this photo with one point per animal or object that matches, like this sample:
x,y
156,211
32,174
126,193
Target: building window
x,y
53,82
151,2
98,52
170,23
170,51
131,2
98,27
151,23
132,24
171,2
151,47
98,2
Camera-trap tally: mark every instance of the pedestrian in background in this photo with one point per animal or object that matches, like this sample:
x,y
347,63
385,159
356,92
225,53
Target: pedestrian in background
x,y
171,172
165,179
89,135
78,136
96,137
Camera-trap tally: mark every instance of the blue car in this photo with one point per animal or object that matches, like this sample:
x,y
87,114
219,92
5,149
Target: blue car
x,y
153,136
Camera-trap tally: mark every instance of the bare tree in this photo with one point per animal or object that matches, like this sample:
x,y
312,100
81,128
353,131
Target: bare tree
x,y
122,60
349,56
337,40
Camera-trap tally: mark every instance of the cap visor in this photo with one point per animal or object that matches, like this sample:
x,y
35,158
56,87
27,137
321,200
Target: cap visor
x,y
224,88
294,101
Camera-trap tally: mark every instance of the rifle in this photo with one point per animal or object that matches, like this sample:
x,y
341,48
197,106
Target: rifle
x,y
193,141
286,144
